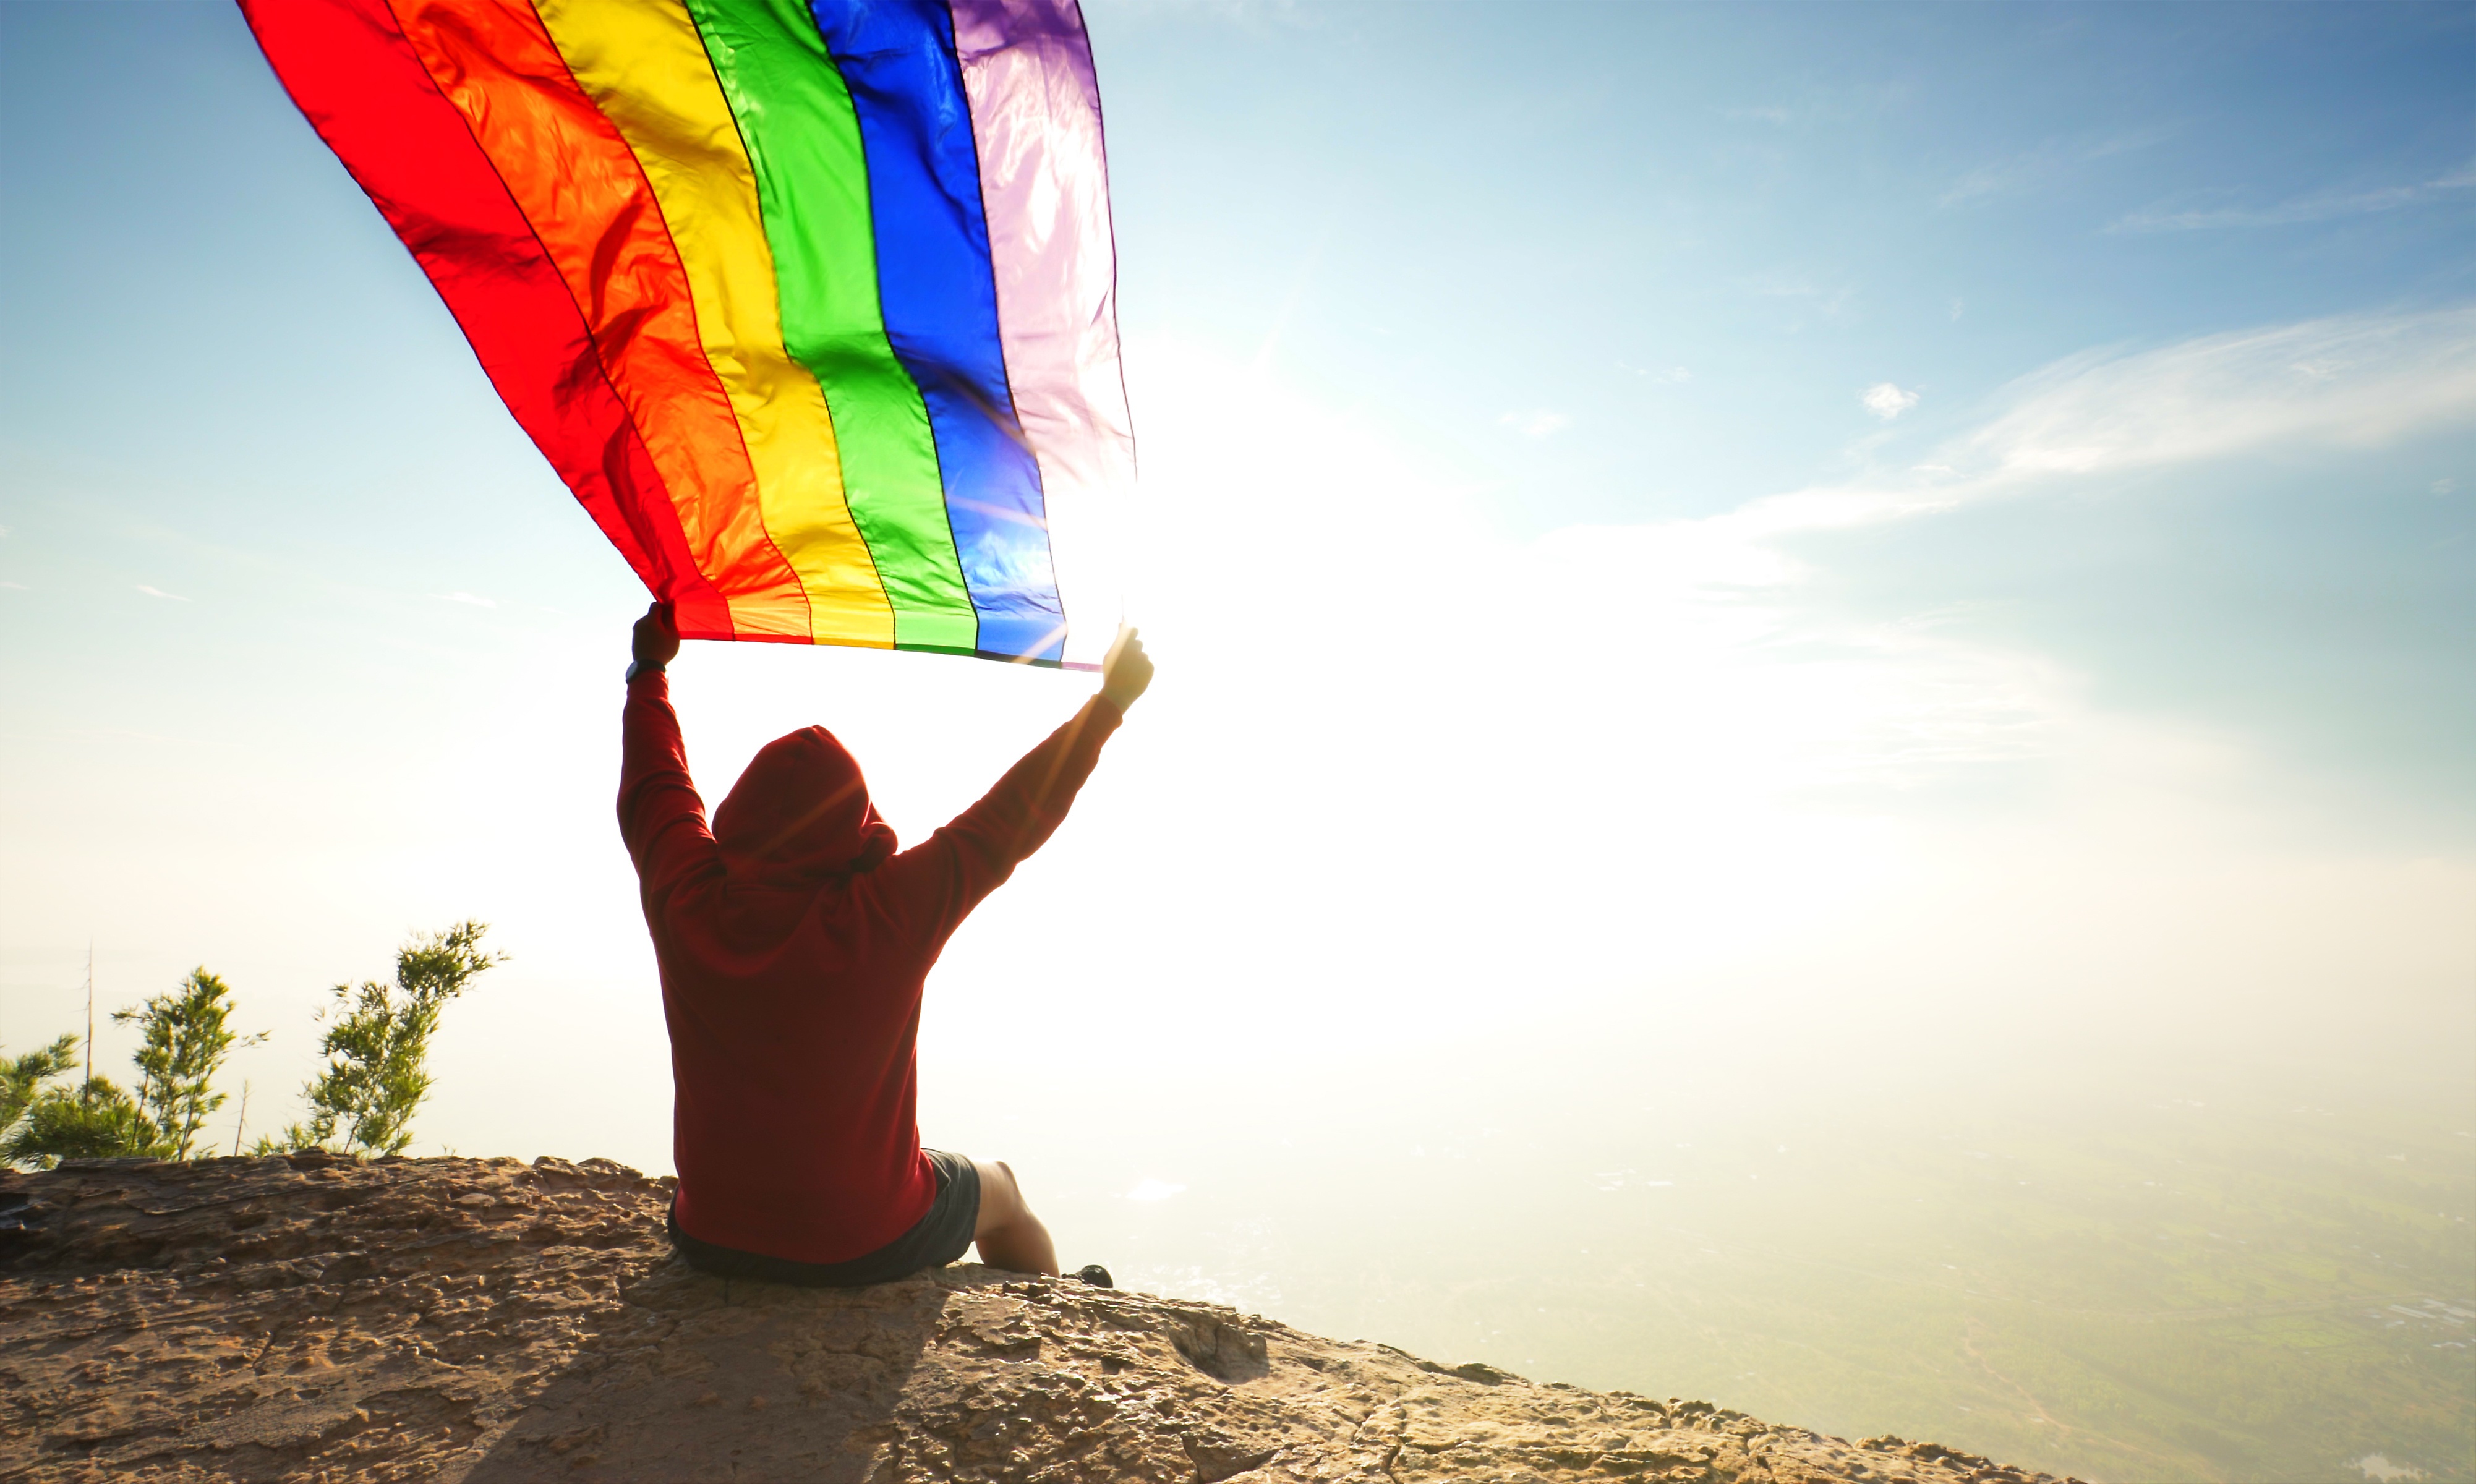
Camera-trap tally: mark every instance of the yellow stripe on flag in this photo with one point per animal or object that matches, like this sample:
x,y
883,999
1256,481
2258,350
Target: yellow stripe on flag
x,y
644,66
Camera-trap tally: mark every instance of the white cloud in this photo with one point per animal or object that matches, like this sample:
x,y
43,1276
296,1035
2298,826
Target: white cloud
x,y
2032,170
2323,207
1536,424
157,592
1250,11
1718,628
1149,1189
465,596
2446,487
2352,380
1672,375
1887,401
1792,286
19,587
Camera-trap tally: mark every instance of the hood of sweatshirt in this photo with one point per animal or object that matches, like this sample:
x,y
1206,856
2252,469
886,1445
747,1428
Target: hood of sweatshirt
x,y
800,815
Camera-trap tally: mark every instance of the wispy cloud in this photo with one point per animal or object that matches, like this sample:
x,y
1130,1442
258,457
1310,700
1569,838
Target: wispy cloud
x,y
1538,423
1796,289
1887,401
2320,207
1299,279
465,596
1712,615
1787,286
19,587
157,592
2356,379
2034,169
1244,10
1900,701
1671,376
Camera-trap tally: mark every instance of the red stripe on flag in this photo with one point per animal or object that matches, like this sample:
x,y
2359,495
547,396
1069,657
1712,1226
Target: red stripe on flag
x,y
358,82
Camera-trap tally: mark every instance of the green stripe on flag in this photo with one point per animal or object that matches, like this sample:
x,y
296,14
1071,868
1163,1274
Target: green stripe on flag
x,y
801,134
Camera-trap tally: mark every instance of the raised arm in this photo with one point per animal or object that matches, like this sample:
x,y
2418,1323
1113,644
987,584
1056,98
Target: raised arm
x,y
661,816
934,886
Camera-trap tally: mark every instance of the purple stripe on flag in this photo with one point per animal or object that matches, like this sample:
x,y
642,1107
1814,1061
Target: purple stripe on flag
x,y
1045,183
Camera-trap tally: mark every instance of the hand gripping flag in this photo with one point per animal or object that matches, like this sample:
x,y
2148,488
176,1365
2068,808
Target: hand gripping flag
x,y
812,305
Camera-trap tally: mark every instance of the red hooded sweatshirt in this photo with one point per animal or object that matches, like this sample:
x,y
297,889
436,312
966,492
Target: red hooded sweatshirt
x,y
793,941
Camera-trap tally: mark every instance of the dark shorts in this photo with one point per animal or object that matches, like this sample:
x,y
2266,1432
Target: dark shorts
x,y
934,1241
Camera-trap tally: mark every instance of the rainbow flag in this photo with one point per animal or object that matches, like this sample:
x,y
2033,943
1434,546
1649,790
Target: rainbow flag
x,y
812,305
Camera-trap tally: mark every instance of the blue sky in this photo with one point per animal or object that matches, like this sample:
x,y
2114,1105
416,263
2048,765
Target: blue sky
x,y
1741,487
1630,262
1782,201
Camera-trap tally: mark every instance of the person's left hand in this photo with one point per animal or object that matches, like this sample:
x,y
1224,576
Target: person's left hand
x,y
1125,670
655,642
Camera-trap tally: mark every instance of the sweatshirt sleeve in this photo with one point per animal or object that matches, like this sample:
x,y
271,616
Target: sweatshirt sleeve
x,y
932,887
661,816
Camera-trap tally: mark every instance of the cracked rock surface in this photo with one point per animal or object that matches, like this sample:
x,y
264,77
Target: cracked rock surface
x,y
306,1317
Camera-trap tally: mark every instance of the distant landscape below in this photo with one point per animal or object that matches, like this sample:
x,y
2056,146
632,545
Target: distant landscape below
x,y
2207,1275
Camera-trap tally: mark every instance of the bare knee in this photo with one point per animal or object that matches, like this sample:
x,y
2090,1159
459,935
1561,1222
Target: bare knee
x,y
1007,1235
1001,1202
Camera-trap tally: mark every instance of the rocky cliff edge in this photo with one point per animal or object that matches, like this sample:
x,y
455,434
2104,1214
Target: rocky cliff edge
x,y
308,1318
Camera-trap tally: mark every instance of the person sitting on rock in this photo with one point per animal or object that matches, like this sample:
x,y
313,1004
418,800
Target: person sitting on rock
x,y
793,941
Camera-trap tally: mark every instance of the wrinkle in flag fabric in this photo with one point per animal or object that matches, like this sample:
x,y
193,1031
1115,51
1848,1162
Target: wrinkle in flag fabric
x,y
810,302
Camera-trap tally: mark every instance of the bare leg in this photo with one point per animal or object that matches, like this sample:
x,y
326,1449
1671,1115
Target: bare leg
x,y
1009,1235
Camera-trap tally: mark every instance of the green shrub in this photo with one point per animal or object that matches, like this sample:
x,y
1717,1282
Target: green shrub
x,y
22,1079
95,1120
378,1047
187,1039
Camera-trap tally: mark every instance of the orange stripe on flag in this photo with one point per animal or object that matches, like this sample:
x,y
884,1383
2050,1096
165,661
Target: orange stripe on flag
x,y
575,179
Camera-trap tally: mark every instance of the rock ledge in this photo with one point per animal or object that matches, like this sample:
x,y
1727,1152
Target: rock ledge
x,y
308,1318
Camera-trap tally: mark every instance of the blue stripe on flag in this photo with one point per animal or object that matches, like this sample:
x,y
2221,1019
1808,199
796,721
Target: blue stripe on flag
x,y
939,296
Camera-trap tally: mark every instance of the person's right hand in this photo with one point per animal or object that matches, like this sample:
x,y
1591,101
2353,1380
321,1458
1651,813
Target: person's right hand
x,y
1126,672
656,643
